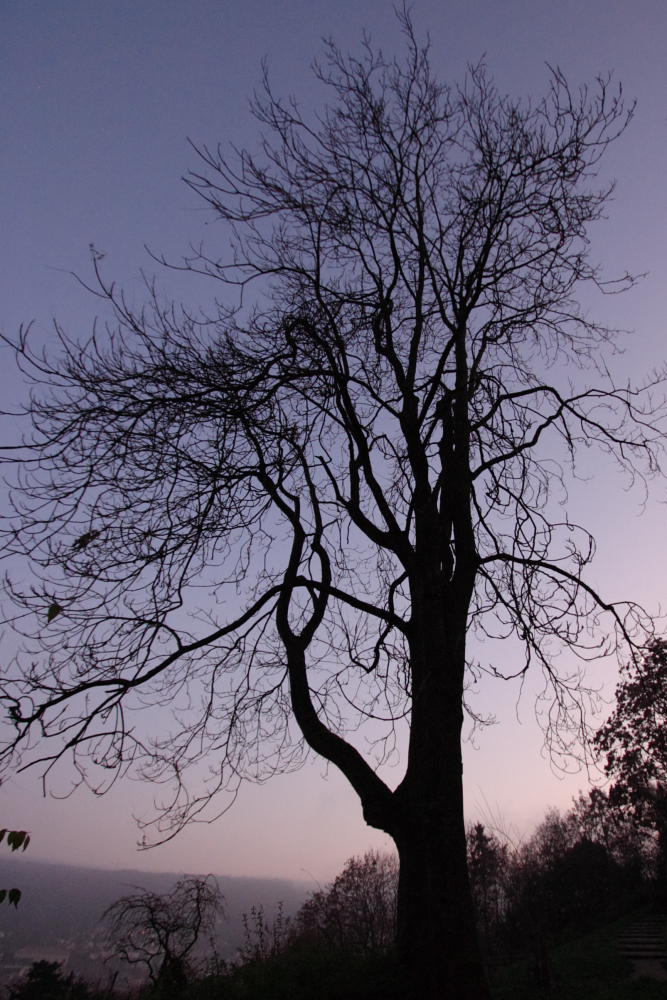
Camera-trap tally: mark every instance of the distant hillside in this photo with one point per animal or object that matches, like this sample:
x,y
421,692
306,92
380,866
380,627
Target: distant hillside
x,y
61,906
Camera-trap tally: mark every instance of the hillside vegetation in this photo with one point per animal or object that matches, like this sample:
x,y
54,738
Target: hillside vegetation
x,y
549,910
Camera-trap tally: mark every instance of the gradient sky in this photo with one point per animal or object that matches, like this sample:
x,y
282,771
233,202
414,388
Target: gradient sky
x,y
98,102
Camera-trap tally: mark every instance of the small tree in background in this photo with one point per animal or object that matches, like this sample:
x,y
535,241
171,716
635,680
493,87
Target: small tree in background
x,y
47,981
357,911
602,820
488,863
160,931
264,937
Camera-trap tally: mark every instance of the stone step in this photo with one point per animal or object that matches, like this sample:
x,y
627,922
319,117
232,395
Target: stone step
x,y
645,929
658,953
657,938
642,934
654,942
644,943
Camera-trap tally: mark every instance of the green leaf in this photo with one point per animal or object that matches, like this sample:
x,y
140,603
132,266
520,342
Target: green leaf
x,y
17,839
14,896
84,540
53,612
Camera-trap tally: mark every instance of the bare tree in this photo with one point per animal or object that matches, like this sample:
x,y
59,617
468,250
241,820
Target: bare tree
x,y
357,911
353,476
161,931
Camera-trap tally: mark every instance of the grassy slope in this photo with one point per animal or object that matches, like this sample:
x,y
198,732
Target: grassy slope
x,y
588,968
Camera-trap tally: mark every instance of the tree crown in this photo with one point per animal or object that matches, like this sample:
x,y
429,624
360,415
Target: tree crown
x,y
360,468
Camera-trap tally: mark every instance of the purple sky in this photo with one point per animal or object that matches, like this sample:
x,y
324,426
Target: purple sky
x,y
98,101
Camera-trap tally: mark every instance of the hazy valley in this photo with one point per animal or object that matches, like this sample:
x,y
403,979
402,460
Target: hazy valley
x,y
58,917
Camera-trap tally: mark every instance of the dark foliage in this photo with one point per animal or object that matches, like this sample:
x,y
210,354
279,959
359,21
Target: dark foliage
x,y
577,871
633,746
307,970
264,938
633,740
47,981
16,840
357,912
488,866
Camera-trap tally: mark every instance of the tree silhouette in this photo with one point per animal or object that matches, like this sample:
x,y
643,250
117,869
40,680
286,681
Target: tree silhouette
x,y
357,911
633,740
488,865
633,745
46,981
161,931
286,520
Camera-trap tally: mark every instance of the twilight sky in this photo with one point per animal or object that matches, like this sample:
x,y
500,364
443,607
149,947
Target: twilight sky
x,y
98,103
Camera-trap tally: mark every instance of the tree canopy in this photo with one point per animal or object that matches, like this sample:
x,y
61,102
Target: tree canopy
x,y
357,911
633,741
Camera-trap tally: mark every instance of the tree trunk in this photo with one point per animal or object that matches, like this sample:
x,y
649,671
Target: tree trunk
x,y
436,933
